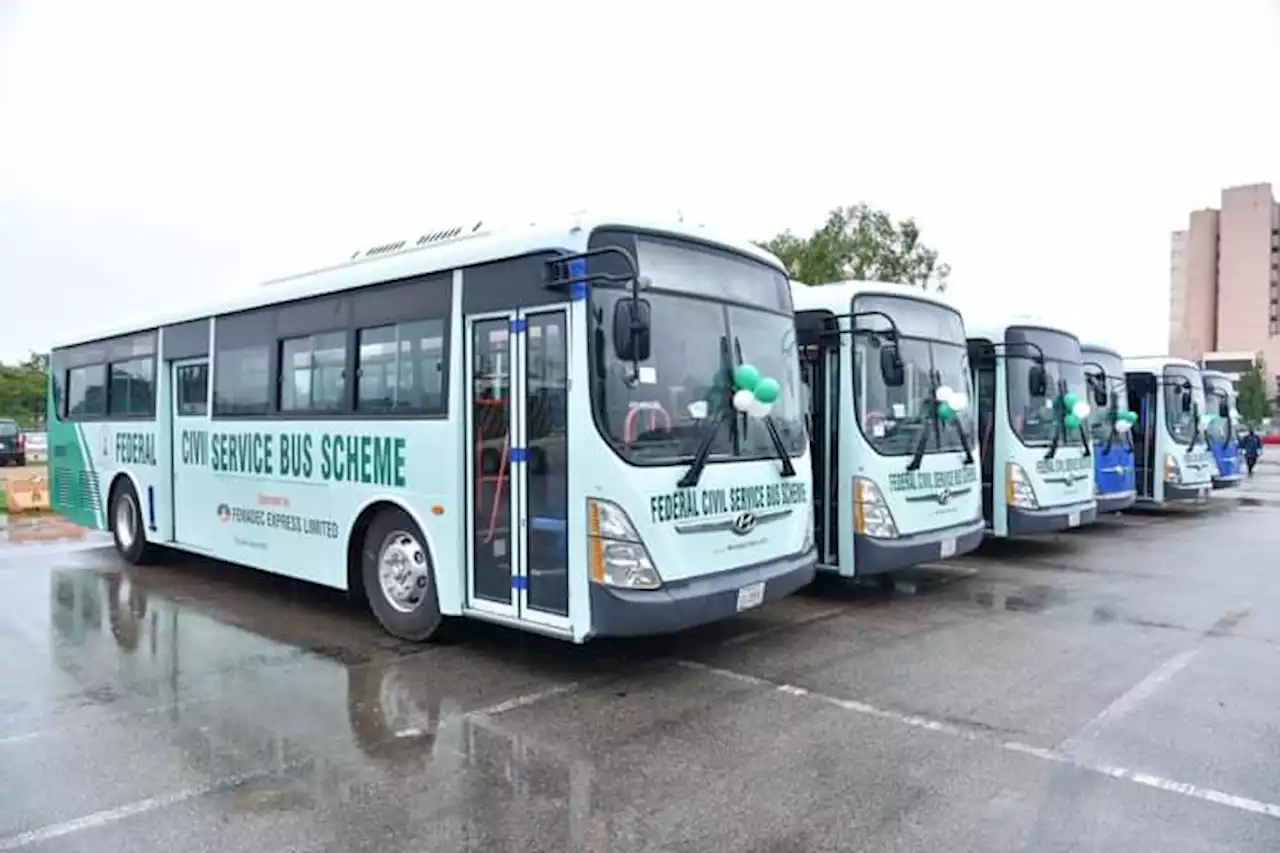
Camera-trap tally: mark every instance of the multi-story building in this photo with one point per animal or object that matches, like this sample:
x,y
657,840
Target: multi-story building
x,y
1224,295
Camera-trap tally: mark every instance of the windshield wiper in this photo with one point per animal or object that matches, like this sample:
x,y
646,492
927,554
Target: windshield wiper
x,y
1195,427
931,403
694,472
788,470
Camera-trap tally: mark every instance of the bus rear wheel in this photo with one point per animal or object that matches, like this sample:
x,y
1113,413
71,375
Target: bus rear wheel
x,y
399,579
127,529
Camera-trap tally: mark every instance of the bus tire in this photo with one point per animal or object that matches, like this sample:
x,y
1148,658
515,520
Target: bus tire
x,y
124,518
403,597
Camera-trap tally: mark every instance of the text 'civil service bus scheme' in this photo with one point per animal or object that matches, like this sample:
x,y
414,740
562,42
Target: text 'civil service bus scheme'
x,y
1171,450
895,466
583,430
1033,411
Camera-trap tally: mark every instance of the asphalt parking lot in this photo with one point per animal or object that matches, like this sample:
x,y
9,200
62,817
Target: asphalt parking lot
x,y
1116,688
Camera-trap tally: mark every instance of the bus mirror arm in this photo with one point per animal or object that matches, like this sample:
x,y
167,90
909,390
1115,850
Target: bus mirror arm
x,y
631,319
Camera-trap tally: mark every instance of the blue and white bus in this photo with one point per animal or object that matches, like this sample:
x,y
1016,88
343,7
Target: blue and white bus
x,y
589,428
1110,426
1171,452
1033,406
1222,431
896,472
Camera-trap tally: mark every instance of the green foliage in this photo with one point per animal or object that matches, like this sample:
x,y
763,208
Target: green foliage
x,y
860,242
1253,401
22,390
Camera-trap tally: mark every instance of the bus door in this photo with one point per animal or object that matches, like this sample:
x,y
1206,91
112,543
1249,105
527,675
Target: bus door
x,y
517,465
819,340
983,359
1143,400
189,448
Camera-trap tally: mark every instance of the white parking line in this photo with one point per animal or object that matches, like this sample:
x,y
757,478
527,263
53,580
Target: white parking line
x,y
1137,777
150,804
1132,698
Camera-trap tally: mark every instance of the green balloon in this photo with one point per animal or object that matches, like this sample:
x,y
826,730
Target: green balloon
x,y
945,412
1071,420
1069,400
767,389
1130,416
745,377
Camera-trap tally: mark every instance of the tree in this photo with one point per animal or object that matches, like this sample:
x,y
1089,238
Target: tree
x,y
1252,398
22,390
860,242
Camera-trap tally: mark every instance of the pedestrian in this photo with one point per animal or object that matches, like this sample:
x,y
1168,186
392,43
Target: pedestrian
x,y
1251,444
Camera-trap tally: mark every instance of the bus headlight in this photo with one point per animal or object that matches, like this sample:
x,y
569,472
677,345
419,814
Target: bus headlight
x,y
1172,470
871,516
614,550
1017,488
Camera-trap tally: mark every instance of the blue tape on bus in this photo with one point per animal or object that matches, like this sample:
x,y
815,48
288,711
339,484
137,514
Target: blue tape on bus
x,y
151,507
578,291
519,454
577,270
519,582
519,325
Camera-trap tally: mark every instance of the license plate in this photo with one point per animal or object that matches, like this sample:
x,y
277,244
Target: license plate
x,y
948,548
750,596
1073,520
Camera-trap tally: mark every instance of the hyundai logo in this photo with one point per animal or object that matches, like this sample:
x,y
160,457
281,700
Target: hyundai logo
x,y
944,496
744,523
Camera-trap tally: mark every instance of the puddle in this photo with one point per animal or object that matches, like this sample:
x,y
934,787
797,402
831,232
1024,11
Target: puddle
x,y
1013,597
40,528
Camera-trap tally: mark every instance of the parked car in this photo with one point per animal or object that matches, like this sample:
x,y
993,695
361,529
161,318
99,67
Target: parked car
x,y
37,447
13,443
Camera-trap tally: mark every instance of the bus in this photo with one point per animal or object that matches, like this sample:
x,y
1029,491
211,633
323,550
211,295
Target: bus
x,y
1033,407
582,429
1171,453
891,425
1222,431
1110,426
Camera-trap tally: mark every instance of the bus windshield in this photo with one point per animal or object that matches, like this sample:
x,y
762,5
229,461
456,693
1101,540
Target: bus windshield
x,y
698,333
932,347
1217,395
1110,381
1034,418
1179,381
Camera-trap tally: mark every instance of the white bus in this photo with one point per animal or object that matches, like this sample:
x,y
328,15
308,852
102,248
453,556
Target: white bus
x,y
1170,446
892,428
1223,430
586,429
1033,415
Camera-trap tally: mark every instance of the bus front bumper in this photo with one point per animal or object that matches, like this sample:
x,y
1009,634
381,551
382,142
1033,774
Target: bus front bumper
x,y
1054,519
680,605
878,556
1189,492
1115,501
1228,482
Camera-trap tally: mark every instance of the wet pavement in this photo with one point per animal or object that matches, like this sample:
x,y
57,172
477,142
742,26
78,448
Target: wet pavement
x,y
1114,688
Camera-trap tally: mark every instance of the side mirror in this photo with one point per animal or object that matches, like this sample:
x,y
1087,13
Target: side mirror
x,y
1037,385
1224,409
631,321
1098,383
891,368
1185,400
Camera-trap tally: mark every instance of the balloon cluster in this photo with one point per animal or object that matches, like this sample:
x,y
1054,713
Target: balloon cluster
x,y
1077,410
950,402
1125,420
754,394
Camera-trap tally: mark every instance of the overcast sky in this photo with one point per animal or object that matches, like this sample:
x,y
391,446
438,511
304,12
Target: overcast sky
x,y
156,155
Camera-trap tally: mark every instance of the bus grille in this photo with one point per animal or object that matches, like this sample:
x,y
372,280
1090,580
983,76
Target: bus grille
x,y
76,490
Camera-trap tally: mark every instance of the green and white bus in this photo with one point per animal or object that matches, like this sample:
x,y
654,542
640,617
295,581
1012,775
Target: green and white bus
x,y
585,429
892,428
1033,408
1170,447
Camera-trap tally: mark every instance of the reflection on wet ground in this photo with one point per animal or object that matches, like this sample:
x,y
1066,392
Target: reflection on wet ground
x,y
38,528
981,705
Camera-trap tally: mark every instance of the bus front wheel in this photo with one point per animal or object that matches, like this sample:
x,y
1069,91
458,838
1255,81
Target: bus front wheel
x,y
126,524
399,580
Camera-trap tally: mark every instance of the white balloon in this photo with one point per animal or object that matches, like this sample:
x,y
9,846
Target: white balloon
x,y
743,399
1123,426
1080,410
945,394
959,401
759,409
